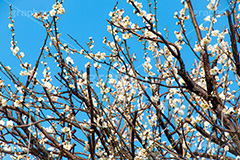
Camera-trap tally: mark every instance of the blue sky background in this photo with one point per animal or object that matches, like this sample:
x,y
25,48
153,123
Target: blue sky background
x,y
83,19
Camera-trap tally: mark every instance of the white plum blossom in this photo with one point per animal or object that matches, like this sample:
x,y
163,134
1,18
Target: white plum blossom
x,y
65,129
112,81
125,36
215,33
2,123
198,48
17,103
9,124
147,65
3,102
205,41
47,85
15,50
155,98
207,19
142,13
67,145
201,27
211,5
21,55
52,12
60,11
69,60
179,36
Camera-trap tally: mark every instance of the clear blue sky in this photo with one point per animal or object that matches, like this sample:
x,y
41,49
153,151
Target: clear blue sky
x,y
83,19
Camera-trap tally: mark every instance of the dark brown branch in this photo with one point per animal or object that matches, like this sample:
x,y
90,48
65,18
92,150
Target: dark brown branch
x,y
234,43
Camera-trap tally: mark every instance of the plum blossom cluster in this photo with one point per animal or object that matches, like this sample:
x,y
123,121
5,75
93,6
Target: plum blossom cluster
x,y
57,8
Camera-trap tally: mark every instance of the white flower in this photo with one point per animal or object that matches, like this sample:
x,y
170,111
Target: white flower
x,y
59,139
238,16
50,130
215,33
69,60
183,107
210,48
21,55
181,112
2,123
221,36
203,28
212,71
52,12
151,73
198,119
45,16
226,148
142,13
100,55
10,124
23,73
188,155
197,48
175,110
121,98
222,96
8,149
4,102
138,5
148,59
51,148
8,68
10,25
112,81
205,106
15,50
179,36
211,6
117,38
148,33
17,103
147,65
214,20
155,98
61,11
65,129
175,14
151,18
57,5
205,41
67,145
104,125
96,65
48,85
125,36
207,19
